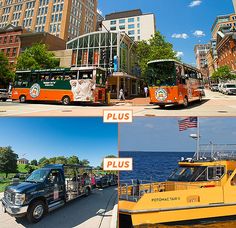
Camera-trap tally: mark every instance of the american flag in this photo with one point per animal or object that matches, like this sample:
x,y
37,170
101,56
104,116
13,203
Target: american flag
x,y
190,122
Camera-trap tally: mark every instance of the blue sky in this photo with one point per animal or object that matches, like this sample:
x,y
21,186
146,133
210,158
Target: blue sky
x,y
176,18
34,138
162,134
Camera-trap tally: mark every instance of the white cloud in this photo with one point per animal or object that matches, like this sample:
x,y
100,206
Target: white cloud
x,y
180,36
179,53
99,11
195,3
199,33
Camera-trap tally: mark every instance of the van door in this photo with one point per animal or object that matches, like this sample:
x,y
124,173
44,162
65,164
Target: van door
x,y
55,187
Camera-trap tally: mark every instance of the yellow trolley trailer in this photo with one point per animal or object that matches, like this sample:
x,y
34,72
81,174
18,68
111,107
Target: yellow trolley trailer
x,y
202,188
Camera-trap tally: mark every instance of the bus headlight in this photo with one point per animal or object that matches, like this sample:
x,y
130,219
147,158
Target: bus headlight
x,y
19,199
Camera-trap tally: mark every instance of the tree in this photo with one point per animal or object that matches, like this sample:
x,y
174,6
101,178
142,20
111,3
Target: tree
x,y
8,160
29,168
37,57
84,162
6,74
34,162
223,73
42,160
108,156
61,160
156,48
73,160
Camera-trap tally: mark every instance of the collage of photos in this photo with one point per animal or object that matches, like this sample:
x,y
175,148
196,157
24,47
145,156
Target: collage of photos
x,y
118,114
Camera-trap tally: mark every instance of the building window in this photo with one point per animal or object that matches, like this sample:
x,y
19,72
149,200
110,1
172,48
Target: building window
x,y
138,25
113,28
14,51
122,27
138,37
131,26
5,40
131,32
122,21
130,20
113,22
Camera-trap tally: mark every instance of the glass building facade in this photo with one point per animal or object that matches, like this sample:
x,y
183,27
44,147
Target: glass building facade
x,y
99,49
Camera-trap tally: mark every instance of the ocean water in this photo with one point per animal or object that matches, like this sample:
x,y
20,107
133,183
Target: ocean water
x,y
157,166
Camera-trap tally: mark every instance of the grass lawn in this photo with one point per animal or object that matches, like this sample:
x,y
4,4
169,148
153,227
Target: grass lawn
x,y
7,181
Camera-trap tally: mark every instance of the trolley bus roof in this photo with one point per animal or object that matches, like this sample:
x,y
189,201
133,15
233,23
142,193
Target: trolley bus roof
x,y
172,60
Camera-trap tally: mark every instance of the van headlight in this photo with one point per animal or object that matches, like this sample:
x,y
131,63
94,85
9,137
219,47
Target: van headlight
x,y
19,199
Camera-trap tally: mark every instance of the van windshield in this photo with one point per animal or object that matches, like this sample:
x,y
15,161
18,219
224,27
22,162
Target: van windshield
x,y
38,176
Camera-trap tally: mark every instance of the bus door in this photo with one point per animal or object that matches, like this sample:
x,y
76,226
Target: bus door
x,y
181,81
101,84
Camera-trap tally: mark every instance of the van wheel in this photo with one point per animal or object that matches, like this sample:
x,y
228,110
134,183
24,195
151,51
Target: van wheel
x,y
87,191
22,99
36,211
185,104
65,100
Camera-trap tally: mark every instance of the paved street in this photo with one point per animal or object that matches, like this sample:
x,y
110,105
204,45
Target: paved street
x,y
80,213
214,104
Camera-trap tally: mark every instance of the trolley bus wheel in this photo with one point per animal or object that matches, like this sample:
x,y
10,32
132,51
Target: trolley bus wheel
x,y
22,99
65,100
162,106
185,102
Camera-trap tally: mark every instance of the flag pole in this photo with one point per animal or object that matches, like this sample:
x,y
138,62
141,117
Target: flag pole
x,y
198,138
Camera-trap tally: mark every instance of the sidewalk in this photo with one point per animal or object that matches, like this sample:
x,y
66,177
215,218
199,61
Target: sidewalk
x,y
138,101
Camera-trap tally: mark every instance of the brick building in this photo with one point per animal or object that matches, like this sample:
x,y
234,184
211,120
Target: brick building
x,y
10,42
226,50
63,18
53,43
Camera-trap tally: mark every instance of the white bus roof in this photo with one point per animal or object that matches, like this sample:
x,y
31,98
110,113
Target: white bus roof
x,y
172,60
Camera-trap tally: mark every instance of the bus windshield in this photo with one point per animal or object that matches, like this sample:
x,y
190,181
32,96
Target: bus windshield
x,y
161,74
189,174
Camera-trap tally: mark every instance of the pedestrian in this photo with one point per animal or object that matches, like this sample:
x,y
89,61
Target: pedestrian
x,y
121,96
146,91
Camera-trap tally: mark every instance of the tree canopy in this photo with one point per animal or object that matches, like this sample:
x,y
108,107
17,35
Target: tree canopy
x,y
8,160
6,74
223,73
37,57
156,48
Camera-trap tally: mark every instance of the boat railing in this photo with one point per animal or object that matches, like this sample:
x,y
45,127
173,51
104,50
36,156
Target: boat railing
x,y
135,190
216,152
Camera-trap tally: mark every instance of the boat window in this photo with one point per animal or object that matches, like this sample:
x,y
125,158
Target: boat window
x,y
215,173
233,181
189,174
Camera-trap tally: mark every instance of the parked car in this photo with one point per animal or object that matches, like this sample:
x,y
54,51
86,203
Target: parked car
x,y
4,94
44,190
229,89
102,181
214,87
220,87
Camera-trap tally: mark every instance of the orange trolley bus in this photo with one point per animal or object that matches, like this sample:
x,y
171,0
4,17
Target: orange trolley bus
x,y
65,85
173,82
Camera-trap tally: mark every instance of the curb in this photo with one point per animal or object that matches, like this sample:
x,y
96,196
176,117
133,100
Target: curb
x,y
113,223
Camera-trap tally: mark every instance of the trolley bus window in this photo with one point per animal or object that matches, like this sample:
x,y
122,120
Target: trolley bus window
x,y
162,74
86,75
22,79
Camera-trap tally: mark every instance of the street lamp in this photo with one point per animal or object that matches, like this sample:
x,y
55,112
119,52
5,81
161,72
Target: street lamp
x,y
197,138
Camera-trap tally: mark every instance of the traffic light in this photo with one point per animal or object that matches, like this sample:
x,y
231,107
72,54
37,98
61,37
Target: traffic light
x,y
111,63
104,54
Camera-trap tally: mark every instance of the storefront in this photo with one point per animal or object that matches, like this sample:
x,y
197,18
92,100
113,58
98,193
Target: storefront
x,y
114,51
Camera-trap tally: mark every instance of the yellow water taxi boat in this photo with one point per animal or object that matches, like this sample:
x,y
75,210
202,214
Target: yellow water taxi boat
x,y
202,187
